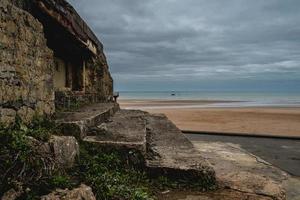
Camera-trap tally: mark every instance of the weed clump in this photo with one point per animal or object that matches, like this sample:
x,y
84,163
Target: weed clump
x,y
111,176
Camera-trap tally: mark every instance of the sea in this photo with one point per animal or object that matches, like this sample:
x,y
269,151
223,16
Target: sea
x,y
234,98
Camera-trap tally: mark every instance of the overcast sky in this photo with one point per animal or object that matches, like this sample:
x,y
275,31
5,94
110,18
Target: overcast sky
x,y
198,44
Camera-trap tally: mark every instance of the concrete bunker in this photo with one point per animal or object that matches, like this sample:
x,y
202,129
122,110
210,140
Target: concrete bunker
x,y
69,55
50,59
80,69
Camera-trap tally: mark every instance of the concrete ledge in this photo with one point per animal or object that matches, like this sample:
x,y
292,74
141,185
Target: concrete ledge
x,y
78,123
93,140
170,153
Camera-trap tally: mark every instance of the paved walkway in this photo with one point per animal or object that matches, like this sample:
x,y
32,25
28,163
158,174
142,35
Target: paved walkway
x,y
283,153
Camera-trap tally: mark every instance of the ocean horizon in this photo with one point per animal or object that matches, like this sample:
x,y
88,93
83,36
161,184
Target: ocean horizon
x,y
234,98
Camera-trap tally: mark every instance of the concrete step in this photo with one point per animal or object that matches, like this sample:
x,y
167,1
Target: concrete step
x,y
165,149
170,153
78,122
126,129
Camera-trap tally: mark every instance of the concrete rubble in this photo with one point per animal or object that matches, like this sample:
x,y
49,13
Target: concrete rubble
x,y
83,192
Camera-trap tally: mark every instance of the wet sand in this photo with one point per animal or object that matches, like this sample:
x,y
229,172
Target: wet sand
x,y
255,120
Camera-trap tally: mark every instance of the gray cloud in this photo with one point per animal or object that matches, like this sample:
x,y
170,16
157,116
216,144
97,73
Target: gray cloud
x,y
166,40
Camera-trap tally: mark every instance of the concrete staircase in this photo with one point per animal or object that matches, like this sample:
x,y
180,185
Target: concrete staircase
x,y
165,150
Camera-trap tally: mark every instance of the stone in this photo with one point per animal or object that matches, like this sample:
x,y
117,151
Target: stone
x,y
26,114
81,193
65,150
11,194
7,116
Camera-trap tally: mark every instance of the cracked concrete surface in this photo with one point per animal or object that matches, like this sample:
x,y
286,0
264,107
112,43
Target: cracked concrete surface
x,y
242,171
241,175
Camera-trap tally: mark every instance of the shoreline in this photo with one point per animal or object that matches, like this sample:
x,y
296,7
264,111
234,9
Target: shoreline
x,y
203,104
203,116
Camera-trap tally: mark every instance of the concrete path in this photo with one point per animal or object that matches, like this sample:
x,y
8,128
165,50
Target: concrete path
x,y
283,153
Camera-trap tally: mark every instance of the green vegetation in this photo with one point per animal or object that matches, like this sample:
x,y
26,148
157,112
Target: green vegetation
x,y
20,164
21,161
112,174
41,129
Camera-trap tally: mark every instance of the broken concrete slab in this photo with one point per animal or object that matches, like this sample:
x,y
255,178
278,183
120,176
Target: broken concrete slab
x,y
77,123
242,171
170,153
126,129
165,149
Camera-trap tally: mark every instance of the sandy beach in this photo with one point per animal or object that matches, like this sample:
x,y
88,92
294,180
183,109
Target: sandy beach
x,y
203,116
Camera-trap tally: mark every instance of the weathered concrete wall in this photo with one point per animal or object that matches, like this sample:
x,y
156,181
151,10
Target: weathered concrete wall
x,y
26,66
97,78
